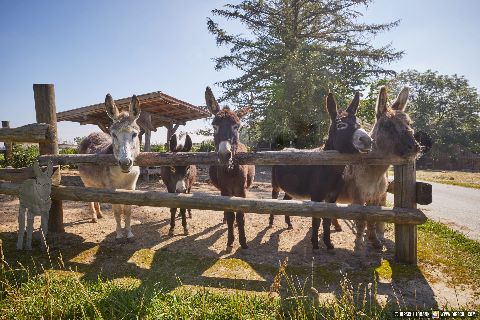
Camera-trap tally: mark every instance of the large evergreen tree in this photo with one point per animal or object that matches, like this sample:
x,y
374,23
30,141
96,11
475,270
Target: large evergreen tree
x,y
293,53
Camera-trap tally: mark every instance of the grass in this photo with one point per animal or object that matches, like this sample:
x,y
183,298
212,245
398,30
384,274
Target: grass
x,y
170,285
456,178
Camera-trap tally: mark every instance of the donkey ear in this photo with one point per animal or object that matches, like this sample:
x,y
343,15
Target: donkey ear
x,y
331,106
352,108
173,143
243,112
134,108
36,169
49,171
111,107
188,144
212,103
382,102
402,99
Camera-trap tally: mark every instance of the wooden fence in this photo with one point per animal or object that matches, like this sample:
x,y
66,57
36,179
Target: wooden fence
x,y
406,190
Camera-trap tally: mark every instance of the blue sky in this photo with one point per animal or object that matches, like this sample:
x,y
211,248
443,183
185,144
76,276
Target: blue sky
x,y
90,48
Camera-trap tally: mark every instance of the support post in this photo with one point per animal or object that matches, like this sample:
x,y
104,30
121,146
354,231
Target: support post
x,y
45,108
147,148
8,144
404,197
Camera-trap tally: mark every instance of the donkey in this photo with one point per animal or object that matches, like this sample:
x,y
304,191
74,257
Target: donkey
x,y
124,144
179,179
230,178
34,196
323,182
367,184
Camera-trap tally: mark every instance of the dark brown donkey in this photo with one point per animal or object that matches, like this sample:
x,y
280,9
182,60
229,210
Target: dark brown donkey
x,y
322,182
367,184
230,178
179,179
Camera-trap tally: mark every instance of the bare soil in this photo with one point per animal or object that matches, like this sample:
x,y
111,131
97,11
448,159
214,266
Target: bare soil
x,y
267,246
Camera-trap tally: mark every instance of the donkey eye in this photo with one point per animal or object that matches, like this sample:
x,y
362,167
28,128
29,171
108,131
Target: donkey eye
x,y
342,125
134,135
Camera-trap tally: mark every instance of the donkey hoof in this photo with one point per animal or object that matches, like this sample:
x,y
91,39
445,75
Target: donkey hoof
x,y
185,232
329,246
289,227
94,220
170,232
338,228
19,248
377,245
244,246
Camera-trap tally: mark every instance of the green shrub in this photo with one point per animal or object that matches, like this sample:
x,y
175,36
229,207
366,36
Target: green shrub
x,y
22,156
205,146
158,148
69,151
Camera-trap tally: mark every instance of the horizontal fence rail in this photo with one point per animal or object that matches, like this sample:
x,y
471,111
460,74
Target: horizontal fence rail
x,y
148,159
221,203
36,132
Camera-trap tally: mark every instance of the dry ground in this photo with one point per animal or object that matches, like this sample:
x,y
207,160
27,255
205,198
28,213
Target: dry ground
x,y
201,257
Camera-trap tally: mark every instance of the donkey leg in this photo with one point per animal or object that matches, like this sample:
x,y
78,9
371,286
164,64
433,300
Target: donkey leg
x,y
336,225
99,210
287,218
92,210
275,193
184,220
189,213
360,226
230,216
127,213
326,233
21,226
44,231
241,230
314,236
30,220
173,212
117,212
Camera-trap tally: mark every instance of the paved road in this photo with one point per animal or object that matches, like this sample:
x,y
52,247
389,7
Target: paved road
x,y
458,207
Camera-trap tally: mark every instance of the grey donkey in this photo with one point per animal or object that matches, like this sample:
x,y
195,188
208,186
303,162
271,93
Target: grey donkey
x,y
392,135
124,144
35,200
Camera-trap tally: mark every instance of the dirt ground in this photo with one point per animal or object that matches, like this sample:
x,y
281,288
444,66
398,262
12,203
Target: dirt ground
x,y
208,237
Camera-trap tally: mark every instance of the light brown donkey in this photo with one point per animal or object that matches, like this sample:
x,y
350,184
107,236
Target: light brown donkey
x,y
367,184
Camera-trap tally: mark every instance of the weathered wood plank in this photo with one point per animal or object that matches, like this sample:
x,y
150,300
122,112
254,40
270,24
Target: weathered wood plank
x,y
263,206
21,174
36,132
146,159
46,112
405,194
423,191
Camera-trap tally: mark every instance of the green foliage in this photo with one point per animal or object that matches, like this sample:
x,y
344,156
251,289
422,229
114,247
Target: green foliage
x,y
205,146
158,148
295,52
22,156
69,151
446,107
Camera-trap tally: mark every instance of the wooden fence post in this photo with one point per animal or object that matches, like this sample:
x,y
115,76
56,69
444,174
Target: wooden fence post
x,y
404,196
44,95
8,144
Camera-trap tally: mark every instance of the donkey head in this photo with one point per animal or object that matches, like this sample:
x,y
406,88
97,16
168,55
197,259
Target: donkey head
x,y
225,125
392,132
178,174
345,134
43,180
124,131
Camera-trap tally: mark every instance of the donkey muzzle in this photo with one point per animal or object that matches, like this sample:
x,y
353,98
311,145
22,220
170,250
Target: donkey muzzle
x,y
125,165
225,152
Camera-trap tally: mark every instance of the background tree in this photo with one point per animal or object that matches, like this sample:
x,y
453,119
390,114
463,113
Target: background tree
x,y
294,53
447,107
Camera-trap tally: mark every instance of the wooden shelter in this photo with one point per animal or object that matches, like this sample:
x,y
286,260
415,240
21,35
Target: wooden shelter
x,y
158,110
